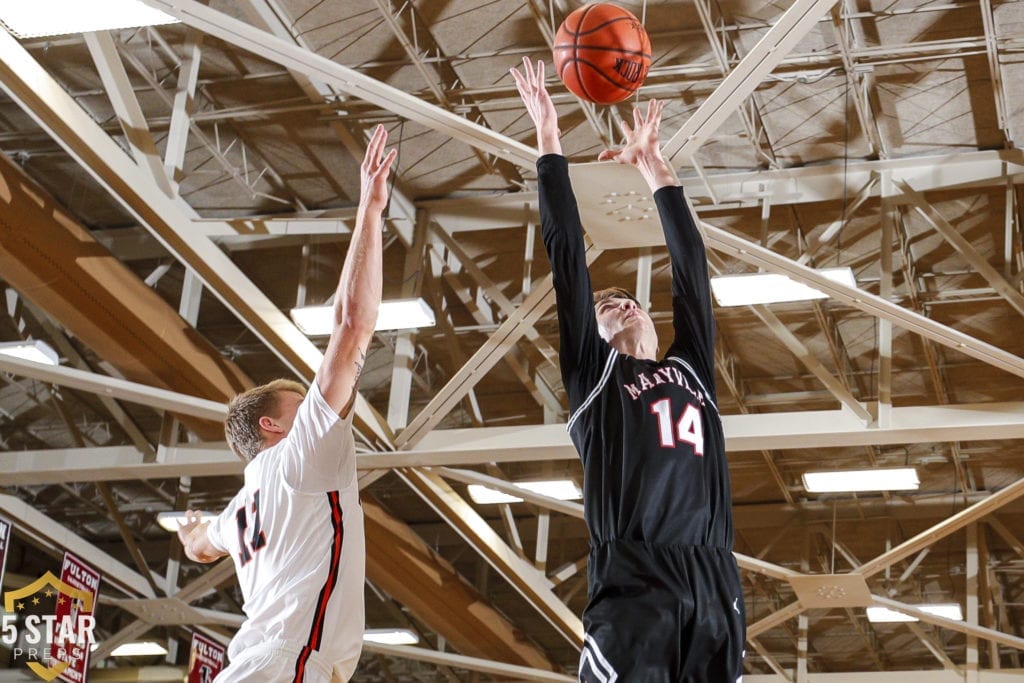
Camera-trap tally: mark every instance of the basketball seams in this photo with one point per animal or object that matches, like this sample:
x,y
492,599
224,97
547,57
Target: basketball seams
x,y
596,71
602,48
578,34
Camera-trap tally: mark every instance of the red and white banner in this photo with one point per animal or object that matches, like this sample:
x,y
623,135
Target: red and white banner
x,y
67,647
5,543
206,659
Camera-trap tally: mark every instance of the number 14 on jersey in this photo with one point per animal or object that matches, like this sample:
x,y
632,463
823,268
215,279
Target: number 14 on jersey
x,y
688,428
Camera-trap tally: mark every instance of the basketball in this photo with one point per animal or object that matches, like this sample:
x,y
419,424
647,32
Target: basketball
x,y
602,53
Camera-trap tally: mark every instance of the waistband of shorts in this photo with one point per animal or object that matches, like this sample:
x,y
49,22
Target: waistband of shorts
x,y
647,545
291,650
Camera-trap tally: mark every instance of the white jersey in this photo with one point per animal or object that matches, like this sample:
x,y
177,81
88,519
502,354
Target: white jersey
x,y
295,533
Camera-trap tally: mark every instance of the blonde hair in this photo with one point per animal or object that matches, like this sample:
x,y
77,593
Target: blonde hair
x,y
242,425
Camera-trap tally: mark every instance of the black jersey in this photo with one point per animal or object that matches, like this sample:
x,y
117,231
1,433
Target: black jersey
x,y
648,432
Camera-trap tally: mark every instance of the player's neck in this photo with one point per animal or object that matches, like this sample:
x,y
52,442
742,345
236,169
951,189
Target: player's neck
x,y
638,346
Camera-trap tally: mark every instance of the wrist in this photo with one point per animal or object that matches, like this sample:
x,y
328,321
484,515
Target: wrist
x,y
548,144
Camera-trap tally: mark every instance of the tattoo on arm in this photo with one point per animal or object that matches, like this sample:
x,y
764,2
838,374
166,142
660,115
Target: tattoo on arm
x,y
355,381
359,369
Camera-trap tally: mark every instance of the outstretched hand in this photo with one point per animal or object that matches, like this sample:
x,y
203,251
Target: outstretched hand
x,y
374,171
193,520
539,106
642,149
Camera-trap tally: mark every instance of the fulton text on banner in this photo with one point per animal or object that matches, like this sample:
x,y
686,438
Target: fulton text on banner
x,y
79,575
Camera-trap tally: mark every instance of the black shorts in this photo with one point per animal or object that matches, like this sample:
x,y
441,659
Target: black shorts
x,y
663,614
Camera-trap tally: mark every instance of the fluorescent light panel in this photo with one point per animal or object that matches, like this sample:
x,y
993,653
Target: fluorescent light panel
x,y
884,615
169,520
561,489
34,18
399,314
390,636
36,351
772,288
485,495
848,481
140,649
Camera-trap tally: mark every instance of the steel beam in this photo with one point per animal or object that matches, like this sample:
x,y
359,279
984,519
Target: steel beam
x,y
43,530
532,584
963,246
345,79
968,629
537,443
183,107
943,529
126,106
785,33
170,219
492,351
111,387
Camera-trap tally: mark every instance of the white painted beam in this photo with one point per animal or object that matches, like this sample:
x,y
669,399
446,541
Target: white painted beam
x,y
168,218
477,446
184,104
43,530
113,387
532,584
126,106
786,31
345,79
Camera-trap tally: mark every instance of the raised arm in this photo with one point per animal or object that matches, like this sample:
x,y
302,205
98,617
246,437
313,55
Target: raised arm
x,y
693,320
580,347
359,289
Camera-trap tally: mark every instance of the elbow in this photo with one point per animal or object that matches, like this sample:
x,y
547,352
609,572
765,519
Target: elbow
x,y
360,322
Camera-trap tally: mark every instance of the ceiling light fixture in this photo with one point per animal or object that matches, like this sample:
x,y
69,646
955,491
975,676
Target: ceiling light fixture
x,y
485,495
849,481
140,649
390,636
399,314
771,288
37,18
35,351
884,615
560,489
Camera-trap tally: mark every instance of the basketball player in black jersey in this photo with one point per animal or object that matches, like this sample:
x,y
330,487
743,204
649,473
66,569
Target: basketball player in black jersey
x,y
665,601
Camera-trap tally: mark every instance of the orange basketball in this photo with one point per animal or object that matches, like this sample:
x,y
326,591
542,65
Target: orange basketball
x,y
602,53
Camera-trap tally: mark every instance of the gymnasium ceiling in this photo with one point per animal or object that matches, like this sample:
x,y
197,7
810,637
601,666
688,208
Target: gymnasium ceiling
x,y
172,192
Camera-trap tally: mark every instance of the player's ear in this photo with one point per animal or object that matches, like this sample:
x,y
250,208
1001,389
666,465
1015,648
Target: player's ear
x,y
269,424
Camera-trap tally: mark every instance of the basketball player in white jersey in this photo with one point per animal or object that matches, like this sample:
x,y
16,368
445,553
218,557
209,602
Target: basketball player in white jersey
x,y
295,530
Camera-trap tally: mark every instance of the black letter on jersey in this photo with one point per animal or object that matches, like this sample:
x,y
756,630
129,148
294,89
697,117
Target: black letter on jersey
x,y
259,539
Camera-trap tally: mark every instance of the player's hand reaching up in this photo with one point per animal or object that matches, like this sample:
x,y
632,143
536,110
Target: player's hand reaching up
x,y
374,171
539,106
642,149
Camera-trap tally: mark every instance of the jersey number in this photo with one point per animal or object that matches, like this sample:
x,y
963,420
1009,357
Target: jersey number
x,y
258,539
688,428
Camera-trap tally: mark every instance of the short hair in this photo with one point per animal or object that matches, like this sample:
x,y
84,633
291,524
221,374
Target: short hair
x,y
242,424
614,293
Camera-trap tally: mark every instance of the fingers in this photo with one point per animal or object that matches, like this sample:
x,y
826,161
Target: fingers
x,y
608,154
531,79
376,146
385,165
654,108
